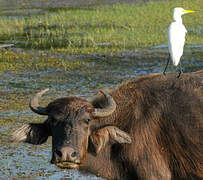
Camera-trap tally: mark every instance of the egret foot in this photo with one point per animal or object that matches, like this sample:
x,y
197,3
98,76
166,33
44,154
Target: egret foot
x,y
180,72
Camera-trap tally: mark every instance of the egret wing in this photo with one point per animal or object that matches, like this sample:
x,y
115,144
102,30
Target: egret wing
x,y
176,41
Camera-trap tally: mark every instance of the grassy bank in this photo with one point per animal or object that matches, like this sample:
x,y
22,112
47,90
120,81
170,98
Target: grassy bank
x,y
103,30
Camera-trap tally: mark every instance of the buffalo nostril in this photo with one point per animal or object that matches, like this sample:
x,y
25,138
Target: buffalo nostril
x,y
74,154
66,154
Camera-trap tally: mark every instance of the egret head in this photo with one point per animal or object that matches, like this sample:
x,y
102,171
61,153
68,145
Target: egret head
x,y
178,12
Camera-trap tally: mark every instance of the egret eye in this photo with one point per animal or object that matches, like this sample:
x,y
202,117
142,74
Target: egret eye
x,y
87,121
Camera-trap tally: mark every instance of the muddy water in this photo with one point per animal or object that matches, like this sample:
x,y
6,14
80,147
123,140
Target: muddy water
x,y
18,161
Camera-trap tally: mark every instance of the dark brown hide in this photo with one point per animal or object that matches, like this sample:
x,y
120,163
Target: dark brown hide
x,y
163,116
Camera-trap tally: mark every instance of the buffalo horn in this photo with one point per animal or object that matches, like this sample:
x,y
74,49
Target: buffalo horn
x,y
109,109
34,103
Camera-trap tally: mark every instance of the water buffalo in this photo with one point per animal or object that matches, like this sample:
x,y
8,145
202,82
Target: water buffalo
x,y
147,128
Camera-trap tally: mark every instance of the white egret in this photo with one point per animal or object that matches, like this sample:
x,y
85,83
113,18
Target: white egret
x,y
176,38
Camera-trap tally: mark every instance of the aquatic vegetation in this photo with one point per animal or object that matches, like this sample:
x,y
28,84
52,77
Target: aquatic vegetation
x,y
32,61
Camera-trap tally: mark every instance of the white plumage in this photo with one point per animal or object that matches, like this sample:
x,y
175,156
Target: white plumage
x,y
176,36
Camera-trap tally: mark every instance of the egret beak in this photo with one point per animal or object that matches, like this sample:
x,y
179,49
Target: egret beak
x,y
188,11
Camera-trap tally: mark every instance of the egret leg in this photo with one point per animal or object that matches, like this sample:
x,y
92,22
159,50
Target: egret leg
x,y
166,64
180,71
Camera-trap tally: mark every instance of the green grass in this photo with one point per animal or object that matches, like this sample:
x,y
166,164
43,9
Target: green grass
x,y
122,26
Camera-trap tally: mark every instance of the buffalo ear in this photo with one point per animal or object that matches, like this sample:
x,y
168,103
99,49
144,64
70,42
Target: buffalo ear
x,y
112,134
33,133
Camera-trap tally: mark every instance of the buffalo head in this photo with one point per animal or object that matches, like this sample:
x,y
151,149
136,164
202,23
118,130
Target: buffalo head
x,y
74,123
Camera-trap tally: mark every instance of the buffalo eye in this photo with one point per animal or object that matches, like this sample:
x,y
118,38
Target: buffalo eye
x,y
87,121
53,122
